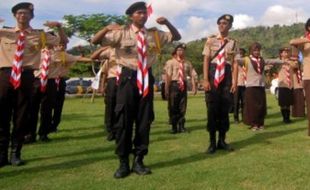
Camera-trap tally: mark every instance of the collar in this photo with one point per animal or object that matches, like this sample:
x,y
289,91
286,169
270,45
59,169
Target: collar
x,y
136,29
28,30
219,37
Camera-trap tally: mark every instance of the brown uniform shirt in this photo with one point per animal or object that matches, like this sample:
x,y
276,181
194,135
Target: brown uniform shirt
x,y
124,41
253,78
111,68
282,74
213,44
305,49
172,69
32,50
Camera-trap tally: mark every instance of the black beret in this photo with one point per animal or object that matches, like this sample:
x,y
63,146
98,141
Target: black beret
x,y
227,17
183,46
136,6
23,5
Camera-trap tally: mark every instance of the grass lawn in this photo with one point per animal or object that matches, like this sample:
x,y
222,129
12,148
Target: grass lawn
x,y
79,157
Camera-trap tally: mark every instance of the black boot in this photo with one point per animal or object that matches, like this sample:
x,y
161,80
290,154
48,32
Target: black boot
x,y
182,128
283,114
110,136
287,116
212,147
139,168
174,129
15,155
123,169
221,144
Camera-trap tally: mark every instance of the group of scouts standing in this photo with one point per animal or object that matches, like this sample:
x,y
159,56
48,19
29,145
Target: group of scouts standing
x,y
128,53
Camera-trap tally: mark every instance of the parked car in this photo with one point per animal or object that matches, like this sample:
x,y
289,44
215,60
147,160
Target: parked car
x,y
78,86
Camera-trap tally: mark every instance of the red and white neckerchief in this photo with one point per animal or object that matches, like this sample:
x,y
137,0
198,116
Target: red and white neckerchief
x,y
18,61
220,67
57,82
118,73
142,71
287,75
299,76
258,63
244,74
45,53
181,74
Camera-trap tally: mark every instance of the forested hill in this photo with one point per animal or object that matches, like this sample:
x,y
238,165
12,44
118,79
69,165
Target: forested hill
x,y
271,38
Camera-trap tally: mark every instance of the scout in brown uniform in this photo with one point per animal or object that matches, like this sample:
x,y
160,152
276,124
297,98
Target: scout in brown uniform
x,y
298,107
303,44
111,81
239,94
177,69
255,96
15,96
134,102
285,98
220,81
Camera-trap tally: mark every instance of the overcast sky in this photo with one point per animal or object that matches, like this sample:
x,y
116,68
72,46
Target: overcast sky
x,y
194,18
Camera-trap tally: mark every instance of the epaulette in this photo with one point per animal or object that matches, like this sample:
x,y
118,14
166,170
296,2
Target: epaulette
x,y
7,27
152,29
212,36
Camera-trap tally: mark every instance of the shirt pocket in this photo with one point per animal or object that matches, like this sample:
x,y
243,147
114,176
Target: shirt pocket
x,y
8,44
32,46
128,47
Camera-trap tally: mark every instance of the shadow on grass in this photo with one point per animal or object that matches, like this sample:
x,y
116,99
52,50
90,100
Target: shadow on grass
x,y
263,138
70,164
74,129
80,116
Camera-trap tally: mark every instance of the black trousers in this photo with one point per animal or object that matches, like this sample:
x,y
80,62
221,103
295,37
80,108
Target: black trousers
x,y
110,103
131,108
238,101
177,103
218,101
47,104
14,105
60,98
34,108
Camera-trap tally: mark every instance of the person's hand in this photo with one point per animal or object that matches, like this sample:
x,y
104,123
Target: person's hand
x,y
206,85
233,88
194,90
161,20
52,24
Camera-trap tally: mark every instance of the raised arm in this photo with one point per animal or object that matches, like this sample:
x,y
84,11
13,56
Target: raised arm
x,y
63,37
175,33
100,35
299,41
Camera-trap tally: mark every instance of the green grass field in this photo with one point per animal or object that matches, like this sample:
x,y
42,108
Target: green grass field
x,y
79,157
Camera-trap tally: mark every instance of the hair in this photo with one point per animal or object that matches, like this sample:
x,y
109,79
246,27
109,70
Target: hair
x,y
307,24
282,50
242,50
253,46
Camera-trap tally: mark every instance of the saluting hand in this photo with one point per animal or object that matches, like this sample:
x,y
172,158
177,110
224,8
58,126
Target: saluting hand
x,y
113,26
52,24
161,20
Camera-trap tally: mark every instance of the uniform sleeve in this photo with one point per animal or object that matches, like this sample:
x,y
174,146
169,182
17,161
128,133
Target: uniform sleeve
x,y
112,38
168,68
105,54
51,39
206,49
164,37
71,59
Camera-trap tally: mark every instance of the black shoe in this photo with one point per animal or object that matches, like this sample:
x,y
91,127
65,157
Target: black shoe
x,y
211,149
139,168
174,129
111,136
182,129
16,161
123,170
222,145
53,130
29,139
44,138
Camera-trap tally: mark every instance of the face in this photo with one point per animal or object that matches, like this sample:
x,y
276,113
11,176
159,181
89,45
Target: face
x,y
23,16
139,18
256,52
223,26
284,54
180,52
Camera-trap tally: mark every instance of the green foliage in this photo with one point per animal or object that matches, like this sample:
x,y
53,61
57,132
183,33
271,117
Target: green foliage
x,y
84,26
